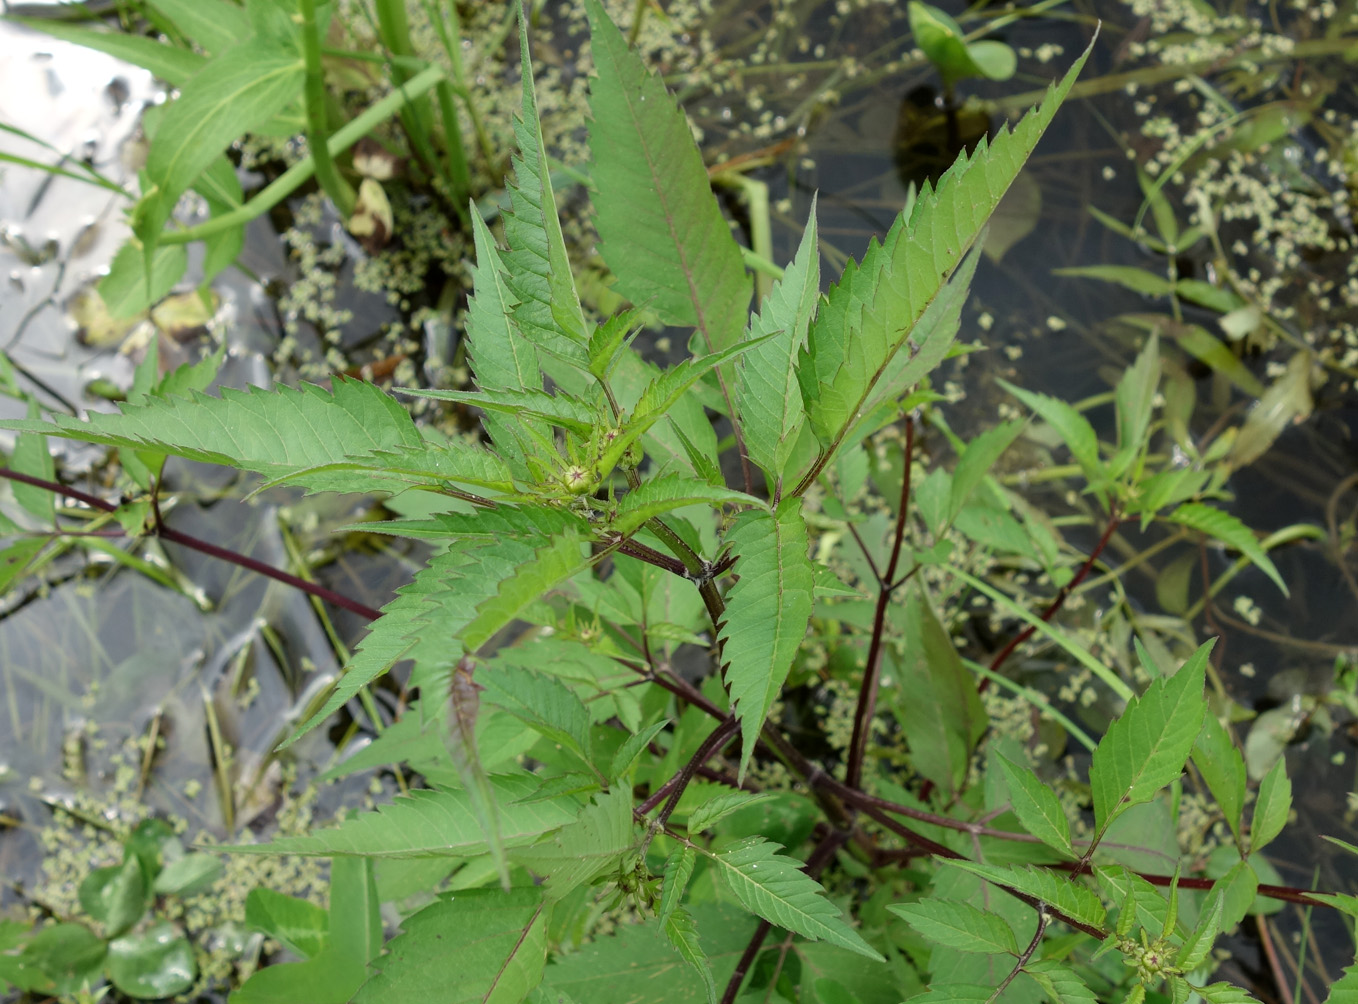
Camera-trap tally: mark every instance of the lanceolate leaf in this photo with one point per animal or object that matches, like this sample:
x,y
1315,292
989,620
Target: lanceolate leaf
x,y
683,935
1145,749
1056,890
1230,531
660,495
1073,428
661,231
451,464
428,824
502,358
1272,806
1037,807
427,615
1343,992
559,409
767,612
598,841
678,869
870,314
235,92
775,887
771,411
552,564
1060,982
538,270
958,925
542,702
718,807
1223,768
477,945
271,432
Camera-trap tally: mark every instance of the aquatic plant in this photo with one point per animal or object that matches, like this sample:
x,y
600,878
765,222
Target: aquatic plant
x,y
595,817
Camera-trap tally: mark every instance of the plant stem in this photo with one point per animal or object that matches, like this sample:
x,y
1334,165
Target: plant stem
x,y
294,177
341,193
202,546
867,694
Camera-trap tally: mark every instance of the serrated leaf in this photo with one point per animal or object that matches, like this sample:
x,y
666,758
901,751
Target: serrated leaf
x,y
596,842
298,924
870,314
452,466
976,462
637,965
774,887
32,457
660,229
558,409
1223,768
770,404
215,25
427,824
1229,993
683,935
1073,428
1060,982
631,749
661,495
271,432
1228,529
767,612
1134,401
502,358
551,564
663,393
678,870
537,266
1037,807
1199,942
1146,748
1272,807
240,89
1344,991
447,592
478,945
1057,891
958,925
543,703
709,813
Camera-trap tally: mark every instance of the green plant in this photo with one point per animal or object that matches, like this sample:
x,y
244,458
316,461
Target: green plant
x,y
258,68
945,46
142,960
574,768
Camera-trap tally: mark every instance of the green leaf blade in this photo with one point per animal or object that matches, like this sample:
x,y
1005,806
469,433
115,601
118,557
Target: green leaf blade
x,y
767,612
1146,748
958,925
774,887
661,231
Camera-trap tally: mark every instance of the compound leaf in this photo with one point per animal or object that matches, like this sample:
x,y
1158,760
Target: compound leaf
x,y
543,703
